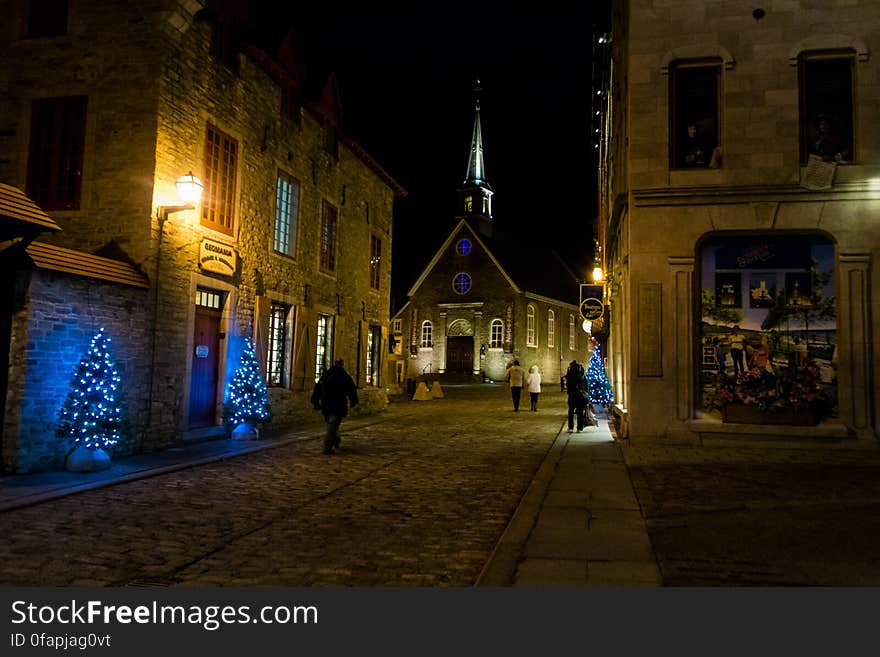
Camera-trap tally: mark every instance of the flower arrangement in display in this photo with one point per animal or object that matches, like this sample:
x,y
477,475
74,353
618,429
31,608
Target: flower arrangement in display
x,y
792,388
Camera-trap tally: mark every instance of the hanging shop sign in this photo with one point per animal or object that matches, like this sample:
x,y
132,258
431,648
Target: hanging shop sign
x,y
217,257
591,305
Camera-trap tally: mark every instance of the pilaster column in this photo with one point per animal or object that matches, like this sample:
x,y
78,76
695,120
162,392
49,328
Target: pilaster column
x,y
440,344
853,343
683,338
478,333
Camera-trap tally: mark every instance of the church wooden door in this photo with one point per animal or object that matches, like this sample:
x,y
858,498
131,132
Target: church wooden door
x,y
460,354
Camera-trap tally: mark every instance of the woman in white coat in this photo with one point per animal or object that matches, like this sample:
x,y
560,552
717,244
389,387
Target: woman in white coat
x,y
533,381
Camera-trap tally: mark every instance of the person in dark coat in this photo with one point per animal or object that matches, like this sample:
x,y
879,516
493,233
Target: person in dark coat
x,y
332,394
576,384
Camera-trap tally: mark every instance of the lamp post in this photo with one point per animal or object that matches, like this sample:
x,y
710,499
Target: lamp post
x,y
189,191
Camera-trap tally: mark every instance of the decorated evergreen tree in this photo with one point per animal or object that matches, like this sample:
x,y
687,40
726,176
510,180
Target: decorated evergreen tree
x,y
247,399
91,415
598,385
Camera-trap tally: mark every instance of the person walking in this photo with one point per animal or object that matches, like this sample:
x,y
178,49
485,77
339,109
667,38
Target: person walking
x,y
332,394
533,380
516,378
576,384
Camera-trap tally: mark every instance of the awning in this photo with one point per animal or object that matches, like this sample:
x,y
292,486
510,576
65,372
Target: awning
x,y
49,256
20,217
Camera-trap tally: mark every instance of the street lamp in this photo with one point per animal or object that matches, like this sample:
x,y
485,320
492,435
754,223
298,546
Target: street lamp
x,y
189,191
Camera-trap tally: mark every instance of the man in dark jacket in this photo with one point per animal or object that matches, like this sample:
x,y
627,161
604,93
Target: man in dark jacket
x,y
331,396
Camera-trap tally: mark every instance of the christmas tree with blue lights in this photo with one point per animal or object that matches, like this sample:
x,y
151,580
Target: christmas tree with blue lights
x,y
598,384
92,415
247,398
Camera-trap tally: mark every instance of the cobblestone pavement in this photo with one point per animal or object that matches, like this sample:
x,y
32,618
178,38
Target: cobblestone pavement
x,y
742,517
418,496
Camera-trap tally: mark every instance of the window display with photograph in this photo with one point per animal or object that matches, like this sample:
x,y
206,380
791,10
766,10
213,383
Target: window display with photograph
x,y
775,355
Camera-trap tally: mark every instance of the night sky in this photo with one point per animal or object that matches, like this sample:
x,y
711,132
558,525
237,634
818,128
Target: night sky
x,y
406,83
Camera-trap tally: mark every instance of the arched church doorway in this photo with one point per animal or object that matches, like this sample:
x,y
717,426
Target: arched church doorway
x,y
460,347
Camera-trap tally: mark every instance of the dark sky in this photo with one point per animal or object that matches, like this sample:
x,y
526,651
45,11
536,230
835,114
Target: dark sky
x,y
406,84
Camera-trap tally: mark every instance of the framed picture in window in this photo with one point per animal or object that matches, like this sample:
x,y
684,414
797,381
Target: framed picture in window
x,y
762,290
728,290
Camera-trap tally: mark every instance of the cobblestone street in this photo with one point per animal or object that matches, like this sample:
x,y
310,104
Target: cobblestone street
x,y
418,496
773,517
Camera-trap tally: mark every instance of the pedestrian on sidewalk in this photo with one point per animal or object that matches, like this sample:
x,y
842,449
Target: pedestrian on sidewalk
x,y
533,380
332,394
576,383
515,376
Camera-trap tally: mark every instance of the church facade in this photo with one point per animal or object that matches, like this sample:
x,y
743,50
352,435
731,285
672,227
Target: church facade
x,y
487,298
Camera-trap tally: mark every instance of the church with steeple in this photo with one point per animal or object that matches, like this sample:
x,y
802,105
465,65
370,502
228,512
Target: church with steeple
x,y
487,296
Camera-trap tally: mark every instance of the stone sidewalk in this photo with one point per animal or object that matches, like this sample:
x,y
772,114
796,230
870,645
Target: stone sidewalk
x,y
579,524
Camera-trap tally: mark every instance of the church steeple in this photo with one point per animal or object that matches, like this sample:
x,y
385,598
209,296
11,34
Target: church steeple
x,y
475,194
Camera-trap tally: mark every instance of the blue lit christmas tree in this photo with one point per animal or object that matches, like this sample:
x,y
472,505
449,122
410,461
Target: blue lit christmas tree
x,y
91,415
600,389
247,399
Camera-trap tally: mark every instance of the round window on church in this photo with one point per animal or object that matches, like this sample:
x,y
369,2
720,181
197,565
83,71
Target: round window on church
x,y
461,283
463,247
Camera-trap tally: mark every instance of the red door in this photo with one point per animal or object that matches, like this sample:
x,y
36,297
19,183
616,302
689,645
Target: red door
x,y
203,387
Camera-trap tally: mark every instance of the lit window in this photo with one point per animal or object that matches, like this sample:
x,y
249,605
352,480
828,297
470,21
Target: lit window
x,y
551,328
530,326
572,336
496,333
277,346
826,106
208,299
286,211
468,203
463,247
324,351
218,200
427,334
397,326
461,283
374,340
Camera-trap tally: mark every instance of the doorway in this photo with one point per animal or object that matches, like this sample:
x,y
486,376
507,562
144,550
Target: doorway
x,y
460,354
205,361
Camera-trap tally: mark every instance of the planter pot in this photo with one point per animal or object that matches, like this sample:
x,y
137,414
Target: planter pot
x,y
84,459
744,414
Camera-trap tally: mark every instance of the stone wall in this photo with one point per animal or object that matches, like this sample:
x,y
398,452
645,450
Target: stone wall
x,y
57,317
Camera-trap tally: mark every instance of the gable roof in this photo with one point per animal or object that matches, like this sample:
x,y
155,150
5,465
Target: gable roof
x,y
442,250
527,268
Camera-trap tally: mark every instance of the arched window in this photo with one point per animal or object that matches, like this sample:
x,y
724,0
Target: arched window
x,y
572,336
551,328
427,334
531,338
496,333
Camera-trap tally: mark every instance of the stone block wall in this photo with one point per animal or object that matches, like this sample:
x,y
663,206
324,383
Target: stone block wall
x,y
57,317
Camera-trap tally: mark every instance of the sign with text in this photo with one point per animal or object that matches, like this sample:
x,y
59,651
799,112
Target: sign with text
x,y
217,257
591,304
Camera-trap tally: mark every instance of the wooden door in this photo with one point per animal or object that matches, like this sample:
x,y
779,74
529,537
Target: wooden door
x,y
205,359
459,354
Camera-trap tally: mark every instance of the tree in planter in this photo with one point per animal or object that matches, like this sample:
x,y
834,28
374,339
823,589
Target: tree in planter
x,y
247,398
91,415
598,385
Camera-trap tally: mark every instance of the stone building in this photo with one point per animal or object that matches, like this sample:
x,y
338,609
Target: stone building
x,y
487,297
739,160
104,107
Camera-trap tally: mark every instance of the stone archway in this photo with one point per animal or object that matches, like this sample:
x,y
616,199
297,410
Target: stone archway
x,y
460,347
